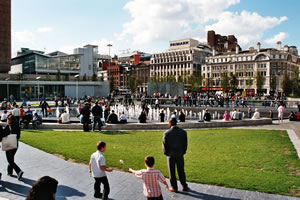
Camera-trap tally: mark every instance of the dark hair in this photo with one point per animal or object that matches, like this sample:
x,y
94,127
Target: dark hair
x,y
12,118
149,160
44,188
100,145
173,121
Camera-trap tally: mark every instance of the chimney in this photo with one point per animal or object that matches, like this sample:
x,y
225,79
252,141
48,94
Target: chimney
x,y
258,46
279,45
237,50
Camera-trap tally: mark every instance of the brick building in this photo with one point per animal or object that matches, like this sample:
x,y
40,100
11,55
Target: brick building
x,y
222,43
5,35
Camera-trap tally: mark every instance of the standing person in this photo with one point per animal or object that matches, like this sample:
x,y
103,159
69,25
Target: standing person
x,y
174,147
12,127
98,169
143,117
86,112
249,112
97,115
280,113
17,113
151,178
162,116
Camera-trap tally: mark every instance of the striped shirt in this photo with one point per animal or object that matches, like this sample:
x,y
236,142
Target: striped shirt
x,y
151,178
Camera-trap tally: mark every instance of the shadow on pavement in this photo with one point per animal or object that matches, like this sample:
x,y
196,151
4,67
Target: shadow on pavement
x,y
13,188
66,191
198,195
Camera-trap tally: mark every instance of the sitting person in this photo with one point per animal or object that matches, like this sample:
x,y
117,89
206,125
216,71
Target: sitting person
x,y
37,120
271,114
4,116
27,118
123,118
174,116
298,116
181,117
207,117
142,117
239,114
292,116
112,118
64,118
256,114
226,116
234,115
162,116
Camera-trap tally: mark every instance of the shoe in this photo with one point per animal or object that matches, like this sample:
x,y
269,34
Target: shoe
x,y
8,174
0,175
20,174
173,190
185,189
99,196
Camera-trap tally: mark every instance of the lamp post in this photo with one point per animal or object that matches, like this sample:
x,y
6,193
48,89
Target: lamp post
x,y
38,89
7,88
109,46
76,76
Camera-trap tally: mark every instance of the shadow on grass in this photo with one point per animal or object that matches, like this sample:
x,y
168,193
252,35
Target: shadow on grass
x,y
115,132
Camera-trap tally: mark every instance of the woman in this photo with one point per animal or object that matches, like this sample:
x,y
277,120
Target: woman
x,y
256,114
226,116
12,127
44,188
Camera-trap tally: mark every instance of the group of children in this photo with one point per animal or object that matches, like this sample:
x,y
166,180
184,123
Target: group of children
x,y
150,176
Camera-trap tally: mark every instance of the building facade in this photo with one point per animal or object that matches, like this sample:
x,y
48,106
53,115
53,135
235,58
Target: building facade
x,y
222,43
183,58
246,65
5,35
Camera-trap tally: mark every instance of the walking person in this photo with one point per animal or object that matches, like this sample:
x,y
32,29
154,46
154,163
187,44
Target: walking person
x,y
12,127
280,113
45,107
86,112
97,115
174,147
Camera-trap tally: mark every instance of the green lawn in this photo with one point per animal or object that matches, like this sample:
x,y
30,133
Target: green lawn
x,y
259,160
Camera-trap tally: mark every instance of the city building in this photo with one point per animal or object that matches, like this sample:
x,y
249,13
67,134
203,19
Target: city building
x,y
182,59
222,43
5,35
246,65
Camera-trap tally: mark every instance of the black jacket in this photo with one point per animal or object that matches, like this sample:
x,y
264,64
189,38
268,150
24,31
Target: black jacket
x,y
207,117
6,131
97,111
175,142
86,112
112,118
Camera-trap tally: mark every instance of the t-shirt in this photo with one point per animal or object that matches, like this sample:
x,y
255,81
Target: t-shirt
x,y
97,160
65,118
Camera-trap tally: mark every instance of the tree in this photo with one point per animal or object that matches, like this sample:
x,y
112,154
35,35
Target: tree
x,y
273,83
94,77
195,81
287,85
133,82
233,82
225,81
259,82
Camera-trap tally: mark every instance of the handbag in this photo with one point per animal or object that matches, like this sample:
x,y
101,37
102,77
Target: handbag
x,y
9,142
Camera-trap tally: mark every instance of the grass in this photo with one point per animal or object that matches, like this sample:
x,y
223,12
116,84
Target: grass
x,y
258,160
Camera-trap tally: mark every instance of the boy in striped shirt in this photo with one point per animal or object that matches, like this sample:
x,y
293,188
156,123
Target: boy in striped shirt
x,y
151,178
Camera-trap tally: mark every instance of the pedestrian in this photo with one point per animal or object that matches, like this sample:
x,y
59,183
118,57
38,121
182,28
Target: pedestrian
x,y
207,116
162,116
85,112
45,107
12,127
249,112
97,115
97,168
174,147
143,117
151,178
181,117
280,113
44,188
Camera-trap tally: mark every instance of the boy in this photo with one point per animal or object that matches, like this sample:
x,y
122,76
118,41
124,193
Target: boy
x,y
150,178
97,168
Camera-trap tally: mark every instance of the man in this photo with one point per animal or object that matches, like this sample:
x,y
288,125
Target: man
x,y
112,118
37,120
174,147
65,118
45,107
97,115
85,112
207,116
17,113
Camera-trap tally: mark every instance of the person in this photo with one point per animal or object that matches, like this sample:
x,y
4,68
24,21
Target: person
x,y
106,112
271,114
292,116
280,113
123,118
162,116
249,112
113,118
297,116
156,103
181,117
206,116
37,120
256,114
151,178
142,117
174,147
234,115
64,118
4,116
226,116
45,107
239,114
12,127
17,113
86,112
97,169
44,188
97,115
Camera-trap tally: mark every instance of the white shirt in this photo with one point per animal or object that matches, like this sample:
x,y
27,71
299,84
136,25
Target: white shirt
x,y
123,117
16,112
256,115
97,160
3,117
65,118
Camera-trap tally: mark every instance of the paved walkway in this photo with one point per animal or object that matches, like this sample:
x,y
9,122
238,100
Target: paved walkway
x,y
75,183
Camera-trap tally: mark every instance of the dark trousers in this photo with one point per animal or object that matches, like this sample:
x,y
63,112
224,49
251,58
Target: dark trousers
x,y
155,198
86,122
97,187
10,156
173,162
97,120
45,112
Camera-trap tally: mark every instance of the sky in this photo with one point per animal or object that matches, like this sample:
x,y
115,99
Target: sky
x,y
149,25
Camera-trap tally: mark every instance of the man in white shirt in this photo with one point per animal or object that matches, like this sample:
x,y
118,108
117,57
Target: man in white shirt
x,y
16,112
65,118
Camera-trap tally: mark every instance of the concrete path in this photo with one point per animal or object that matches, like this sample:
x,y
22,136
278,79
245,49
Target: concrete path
x,y
75,183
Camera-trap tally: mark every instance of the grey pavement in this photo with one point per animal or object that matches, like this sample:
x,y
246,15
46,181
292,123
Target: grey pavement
x,y
75,182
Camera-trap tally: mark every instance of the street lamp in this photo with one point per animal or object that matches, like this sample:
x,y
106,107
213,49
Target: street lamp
x,y
109,46
38,83
7,88
76,76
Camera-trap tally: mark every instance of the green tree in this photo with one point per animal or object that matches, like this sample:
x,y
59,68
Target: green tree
x,y
259,82
133,82
233,82
195,81
94,77
225,81
287,85
273,83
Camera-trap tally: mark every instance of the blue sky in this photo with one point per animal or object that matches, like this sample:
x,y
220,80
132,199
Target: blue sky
x,y
148,25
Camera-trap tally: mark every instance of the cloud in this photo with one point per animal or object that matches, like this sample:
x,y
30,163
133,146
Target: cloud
x,y
44,30
279,37
23,36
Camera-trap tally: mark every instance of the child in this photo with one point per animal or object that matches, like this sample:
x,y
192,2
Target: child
x,y
97,168
151,177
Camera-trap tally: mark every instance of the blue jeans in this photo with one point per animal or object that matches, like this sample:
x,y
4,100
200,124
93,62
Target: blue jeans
x,y
96,120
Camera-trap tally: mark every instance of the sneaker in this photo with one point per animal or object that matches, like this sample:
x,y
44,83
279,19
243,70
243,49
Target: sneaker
x,y
8,174
98,195
173,190
20,174
186,188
